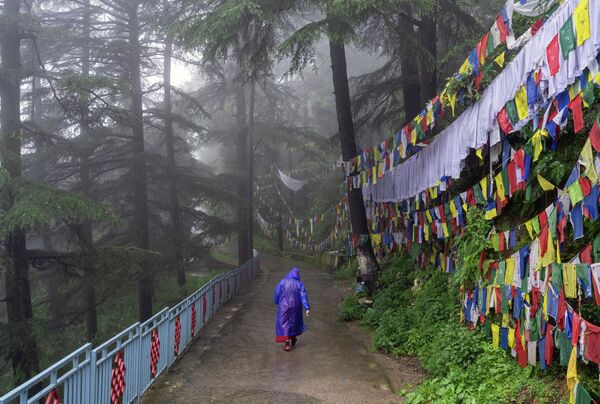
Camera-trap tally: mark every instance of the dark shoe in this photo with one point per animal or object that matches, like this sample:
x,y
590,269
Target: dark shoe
x,y
287,347
294,341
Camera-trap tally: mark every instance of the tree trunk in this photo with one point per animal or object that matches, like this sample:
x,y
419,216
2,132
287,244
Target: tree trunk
x,y
411,92
242,161
250,185
91,316
428,39
140,186
23,350
174,212
367,264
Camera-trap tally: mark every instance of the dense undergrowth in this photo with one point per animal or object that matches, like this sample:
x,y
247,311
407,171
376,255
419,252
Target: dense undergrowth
x,y
416,313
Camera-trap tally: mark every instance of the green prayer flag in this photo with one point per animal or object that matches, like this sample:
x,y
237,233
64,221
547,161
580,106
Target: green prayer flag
x,y
495,242
479,198
511,109
596,249
557,279
528,192
552,224
582,396
567,38
535,327
535,223
582,271
589,95
501,273
575,193
490,46
419,132
488,328
505,180
564,345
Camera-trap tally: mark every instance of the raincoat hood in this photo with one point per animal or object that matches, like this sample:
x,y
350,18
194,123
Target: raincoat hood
x,y
293,274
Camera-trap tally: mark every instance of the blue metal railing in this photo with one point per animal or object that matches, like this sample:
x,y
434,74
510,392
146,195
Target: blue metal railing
x,y
125,366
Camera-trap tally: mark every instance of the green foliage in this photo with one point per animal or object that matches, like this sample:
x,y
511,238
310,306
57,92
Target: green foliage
x,y
491,376
469,247
347,271
351,309
415,313
35,205
450,343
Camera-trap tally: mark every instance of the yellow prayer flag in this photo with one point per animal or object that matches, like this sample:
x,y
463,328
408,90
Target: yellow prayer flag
x,y
500,191
453,209
465,68
381,170
446,232
511,338
521,102
505,320
545,184
374,175
545,306
479,153
500,59
510,270
529,227
426,232
452,100
581,15
550,255
572,378
536,141
570,280
490,214
558,251
428,216
413,137
495,336
484,187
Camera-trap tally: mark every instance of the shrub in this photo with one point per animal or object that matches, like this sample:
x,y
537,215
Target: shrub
x,y
350,309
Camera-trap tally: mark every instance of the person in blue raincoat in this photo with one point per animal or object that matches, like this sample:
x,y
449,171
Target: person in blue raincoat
x,y
290,296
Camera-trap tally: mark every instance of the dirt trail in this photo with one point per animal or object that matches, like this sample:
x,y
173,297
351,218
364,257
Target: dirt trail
x,y
235,359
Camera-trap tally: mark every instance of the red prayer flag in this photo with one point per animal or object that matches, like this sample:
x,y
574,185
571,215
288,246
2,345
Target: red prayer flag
x,y
502,28
549,354
595,136
536,26
585,256
521,352
552,53
576,328
586,185
512,177
482,47
504,121
577,110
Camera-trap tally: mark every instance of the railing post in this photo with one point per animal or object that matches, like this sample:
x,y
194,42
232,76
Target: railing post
x,y
93,387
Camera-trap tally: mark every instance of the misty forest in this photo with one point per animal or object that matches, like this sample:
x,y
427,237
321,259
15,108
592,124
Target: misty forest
x,y
428,170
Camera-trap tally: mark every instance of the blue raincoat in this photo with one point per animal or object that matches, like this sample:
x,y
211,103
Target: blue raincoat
x,y
290,296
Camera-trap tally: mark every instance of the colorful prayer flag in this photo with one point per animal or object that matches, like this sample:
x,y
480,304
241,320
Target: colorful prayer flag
x,y
552,51
545,184
499,60
567,38
521,103
581,15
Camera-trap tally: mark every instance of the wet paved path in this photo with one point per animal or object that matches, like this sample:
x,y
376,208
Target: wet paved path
x,y
235,358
